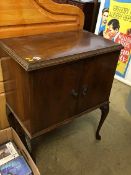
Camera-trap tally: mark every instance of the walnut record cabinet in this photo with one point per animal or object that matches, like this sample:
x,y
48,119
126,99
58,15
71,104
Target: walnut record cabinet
x,y
67,81
54,73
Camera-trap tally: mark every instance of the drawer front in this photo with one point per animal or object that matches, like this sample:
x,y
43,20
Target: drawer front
x,y
1,75
1,87
3,118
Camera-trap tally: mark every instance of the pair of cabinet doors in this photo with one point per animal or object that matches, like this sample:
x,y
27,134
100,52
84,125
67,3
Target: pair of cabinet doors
x,y
66,90
48,96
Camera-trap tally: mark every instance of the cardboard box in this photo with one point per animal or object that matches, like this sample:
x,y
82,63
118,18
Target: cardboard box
x,y
9,134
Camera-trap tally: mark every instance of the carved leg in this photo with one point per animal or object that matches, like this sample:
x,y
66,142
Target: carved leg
x,y
104,110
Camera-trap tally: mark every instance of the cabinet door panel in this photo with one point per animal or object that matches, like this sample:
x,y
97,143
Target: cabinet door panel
x,y
52,98
97,80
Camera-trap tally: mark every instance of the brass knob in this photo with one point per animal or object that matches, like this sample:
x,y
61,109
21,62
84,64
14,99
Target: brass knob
x,y
85,90
74,93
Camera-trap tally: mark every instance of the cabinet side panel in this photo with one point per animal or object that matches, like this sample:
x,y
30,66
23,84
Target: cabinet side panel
x,y
17,91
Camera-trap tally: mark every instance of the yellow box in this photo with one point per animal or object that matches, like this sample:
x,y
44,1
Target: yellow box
x,y
1,87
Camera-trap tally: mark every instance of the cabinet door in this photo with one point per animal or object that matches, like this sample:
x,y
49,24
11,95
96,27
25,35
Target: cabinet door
x,y
98,74
54,95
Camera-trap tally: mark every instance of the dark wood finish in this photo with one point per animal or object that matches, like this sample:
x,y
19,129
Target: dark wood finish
x,y
68,80
61,1
90,10
95,14
77,45
96,90
29,143
104,112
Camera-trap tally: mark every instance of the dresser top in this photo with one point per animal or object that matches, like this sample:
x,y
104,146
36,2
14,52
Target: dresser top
x,y
38,51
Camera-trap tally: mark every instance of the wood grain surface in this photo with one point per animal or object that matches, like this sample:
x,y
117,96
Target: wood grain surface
x,y
31,17
73,76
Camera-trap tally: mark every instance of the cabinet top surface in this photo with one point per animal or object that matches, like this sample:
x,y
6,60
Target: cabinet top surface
x,y
35,52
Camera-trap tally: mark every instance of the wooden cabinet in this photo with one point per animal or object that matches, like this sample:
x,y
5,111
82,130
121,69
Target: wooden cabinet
x,y
51,83
89,10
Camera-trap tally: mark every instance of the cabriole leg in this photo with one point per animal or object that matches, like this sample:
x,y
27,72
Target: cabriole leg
x,y
104,112
30,145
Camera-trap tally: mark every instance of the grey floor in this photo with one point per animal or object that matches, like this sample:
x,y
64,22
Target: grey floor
x,y
73,150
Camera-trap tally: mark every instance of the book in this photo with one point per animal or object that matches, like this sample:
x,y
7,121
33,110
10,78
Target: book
x,y
8,151
17,166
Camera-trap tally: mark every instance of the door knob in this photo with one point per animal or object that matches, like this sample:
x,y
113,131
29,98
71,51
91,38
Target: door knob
x,y
74,93
84,91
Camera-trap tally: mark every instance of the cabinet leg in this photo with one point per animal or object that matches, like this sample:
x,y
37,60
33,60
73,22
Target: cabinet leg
x,y
104,112
30,145
14,124
10,118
